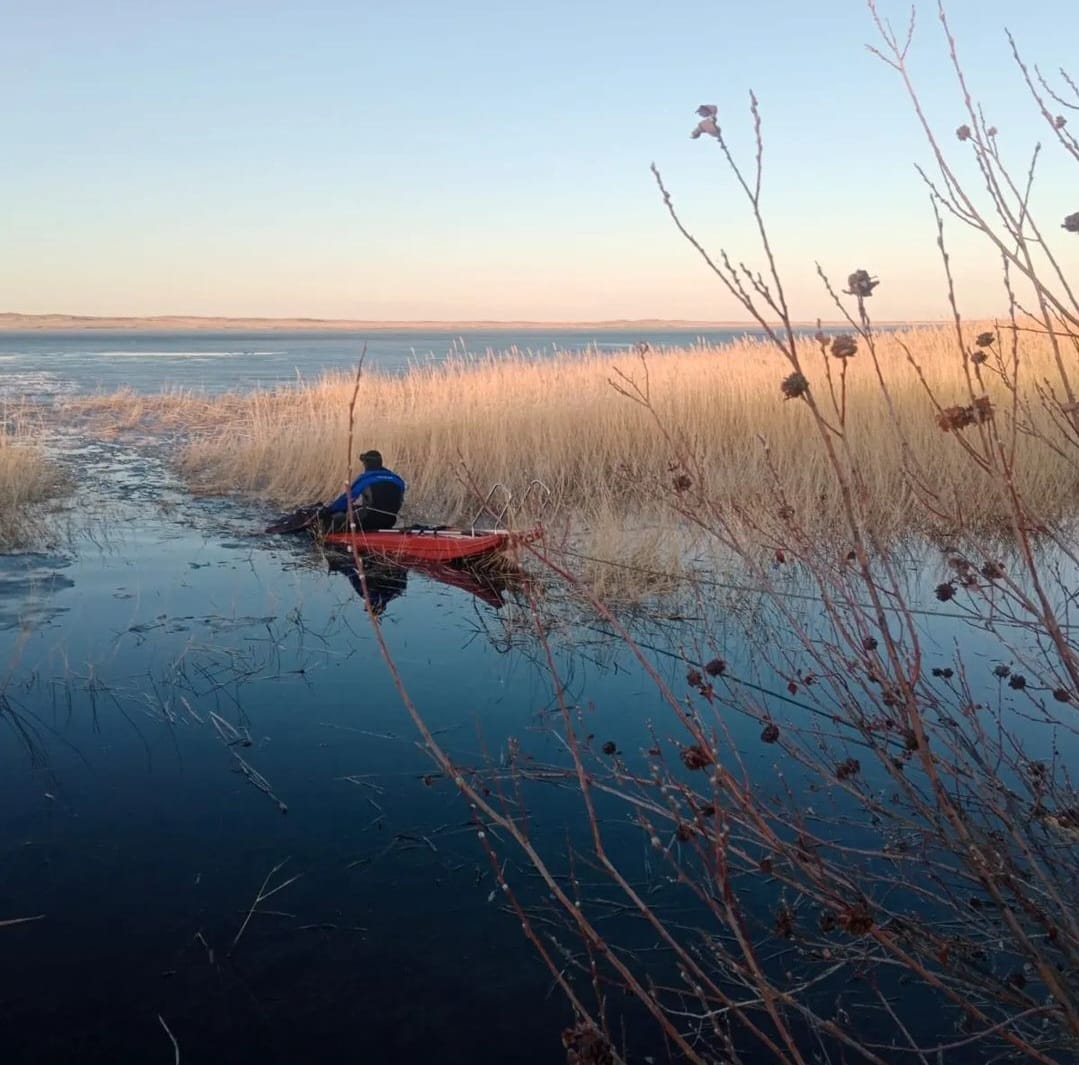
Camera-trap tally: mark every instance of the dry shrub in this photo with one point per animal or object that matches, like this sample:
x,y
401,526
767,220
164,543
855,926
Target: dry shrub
x,y
898,880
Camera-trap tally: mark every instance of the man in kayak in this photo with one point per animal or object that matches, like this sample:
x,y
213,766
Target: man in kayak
x,y
377,494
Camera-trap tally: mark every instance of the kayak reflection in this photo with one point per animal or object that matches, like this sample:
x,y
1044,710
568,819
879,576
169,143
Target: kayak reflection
x,y
386,579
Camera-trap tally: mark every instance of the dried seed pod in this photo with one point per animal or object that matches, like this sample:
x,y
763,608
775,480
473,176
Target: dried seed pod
x,y
952,419
696,757
945,591
708,126
1071,223
985,340
851,767
861,284
586,1045
794,386
770,733
857,919
844,346
963,132
716,668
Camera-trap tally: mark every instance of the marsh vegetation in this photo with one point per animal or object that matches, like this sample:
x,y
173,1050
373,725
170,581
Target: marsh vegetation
x,y
28,476
457,428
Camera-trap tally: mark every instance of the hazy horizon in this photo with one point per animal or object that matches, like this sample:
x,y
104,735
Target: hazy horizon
x,y
474,164
13,319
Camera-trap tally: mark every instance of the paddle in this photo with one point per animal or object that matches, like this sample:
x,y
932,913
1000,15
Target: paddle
x,y
297,521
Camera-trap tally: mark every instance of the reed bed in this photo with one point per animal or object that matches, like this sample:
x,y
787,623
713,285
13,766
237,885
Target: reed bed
x,y
125,411
454,429
27,476
463,425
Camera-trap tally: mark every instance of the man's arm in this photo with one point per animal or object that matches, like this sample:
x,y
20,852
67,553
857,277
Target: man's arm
x,y
340,504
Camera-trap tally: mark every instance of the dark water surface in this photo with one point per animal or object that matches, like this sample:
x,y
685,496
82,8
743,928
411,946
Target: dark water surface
x,y
44,365
163,629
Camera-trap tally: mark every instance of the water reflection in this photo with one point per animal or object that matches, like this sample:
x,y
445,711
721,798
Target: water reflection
x,y
387,580
27,584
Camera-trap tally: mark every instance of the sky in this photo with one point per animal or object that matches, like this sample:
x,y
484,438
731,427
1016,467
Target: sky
x,y
476,160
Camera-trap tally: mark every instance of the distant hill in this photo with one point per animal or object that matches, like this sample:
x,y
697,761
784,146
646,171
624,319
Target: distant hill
x,y
192,323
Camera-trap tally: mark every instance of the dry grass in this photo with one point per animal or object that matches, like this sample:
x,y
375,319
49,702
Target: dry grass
x,y
124,412
516,418
27,476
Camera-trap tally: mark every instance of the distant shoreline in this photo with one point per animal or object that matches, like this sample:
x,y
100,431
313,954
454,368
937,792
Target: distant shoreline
x,y
195,324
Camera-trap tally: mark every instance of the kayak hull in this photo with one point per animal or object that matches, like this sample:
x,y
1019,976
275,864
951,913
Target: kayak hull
x,y
430,545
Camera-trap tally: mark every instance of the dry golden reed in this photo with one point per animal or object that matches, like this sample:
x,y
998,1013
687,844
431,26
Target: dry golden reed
x,y
27,476
472,422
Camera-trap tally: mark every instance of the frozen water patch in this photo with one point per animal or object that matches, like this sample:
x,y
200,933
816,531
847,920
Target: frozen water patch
x,y
168,354
35,385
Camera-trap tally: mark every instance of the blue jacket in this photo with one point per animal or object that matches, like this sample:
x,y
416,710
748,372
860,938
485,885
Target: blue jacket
x,y
365,480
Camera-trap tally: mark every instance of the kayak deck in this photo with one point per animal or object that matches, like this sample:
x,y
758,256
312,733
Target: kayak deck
x,y
431,544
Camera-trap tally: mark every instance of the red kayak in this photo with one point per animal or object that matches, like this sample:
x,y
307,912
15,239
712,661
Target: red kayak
x,y
432,544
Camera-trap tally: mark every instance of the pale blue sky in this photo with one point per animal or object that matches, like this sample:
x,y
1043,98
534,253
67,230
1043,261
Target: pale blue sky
x,y
472,160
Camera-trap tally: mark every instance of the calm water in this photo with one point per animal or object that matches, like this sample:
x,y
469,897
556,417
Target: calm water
x,y
173,676
126,820
43,365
